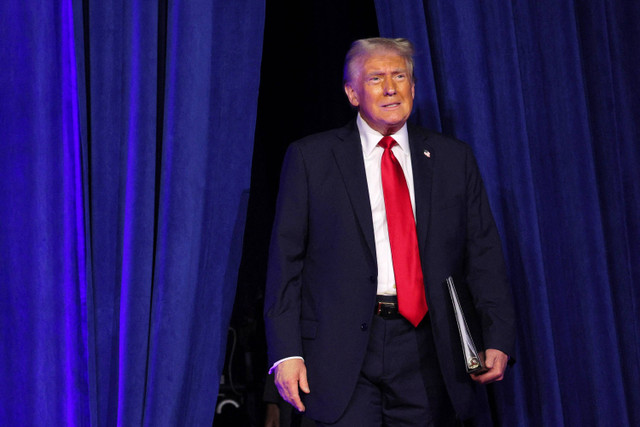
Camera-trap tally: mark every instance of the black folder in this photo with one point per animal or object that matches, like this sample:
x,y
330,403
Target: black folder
x,y
473,362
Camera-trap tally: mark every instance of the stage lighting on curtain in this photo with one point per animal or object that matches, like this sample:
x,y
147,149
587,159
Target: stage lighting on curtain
x,y
127,133
546,93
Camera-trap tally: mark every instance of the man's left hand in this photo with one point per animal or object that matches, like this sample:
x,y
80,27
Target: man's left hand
x,y
496,363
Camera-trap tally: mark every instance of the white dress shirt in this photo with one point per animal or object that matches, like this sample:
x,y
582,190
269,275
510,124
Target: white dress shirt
x,y
372,154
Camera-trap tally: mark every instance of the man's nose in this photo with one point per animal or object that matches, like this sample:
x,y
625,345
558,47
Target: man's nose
x,y
389,87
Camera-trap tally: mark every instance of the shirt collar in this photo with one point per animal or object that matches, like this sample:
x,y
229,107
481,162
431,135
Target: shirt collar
x,y
370,138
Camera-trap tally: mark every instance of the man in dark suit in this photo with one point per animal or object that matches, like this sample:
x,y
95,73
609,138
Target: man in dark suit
x,y
371,219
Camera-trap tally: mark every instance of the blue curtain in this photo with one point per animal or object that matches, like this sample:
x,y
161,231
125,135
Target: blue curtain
x,y
43,298
547,93
127,132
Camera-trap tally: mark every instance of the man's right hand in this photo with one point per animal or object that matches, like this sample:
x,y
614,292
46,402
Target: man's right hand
x,y
291,376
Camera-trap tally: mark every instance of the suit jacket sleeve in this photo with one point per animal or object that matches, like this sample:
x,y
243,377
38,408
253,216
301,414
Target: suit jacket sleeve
x,y
486,272
286,256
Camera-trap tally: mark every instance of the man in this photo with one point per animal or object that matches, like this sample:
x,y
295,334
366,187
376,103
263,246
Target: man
x,y
360,220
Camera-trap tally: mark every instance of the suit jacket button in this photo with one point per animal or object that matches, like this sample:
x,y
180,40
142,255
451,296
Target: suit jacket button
x,y
372,279
364,327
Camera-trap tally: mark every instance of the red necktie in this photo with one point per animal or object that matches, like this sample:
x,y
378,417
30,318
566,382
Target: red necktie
x,y
412,303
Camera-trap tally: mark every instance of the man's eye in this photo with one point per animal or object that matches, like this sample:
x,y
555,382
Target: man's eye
x,y
374,79
401,76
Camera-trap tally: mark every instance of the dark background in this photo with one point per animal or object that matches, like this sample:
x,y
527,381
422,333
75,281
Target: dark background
x,y
300,93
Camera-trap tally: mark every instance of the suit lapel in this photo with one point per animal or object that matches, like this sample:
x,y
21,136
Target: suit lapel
x,y
348,155
422,159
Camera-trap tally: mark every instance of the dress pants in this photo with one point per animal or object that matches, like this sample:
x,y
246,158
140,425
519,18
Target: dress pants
x,y
400,383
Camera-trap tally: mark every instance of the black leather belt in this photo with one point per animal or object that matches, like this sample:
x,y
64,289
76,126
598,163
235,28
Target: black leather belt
x,y
387,307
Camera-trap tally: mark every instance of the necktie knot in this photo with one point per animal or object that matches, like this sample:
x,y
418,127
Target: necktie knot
x,y
387,142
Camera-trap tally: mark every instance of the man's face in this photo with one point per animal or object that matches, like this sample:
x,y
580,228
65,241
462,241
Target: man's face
x,y
383,91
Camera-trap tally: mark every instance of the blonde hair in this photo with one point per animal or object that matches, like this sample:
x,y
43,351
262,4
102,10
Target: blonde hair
x,y
363,48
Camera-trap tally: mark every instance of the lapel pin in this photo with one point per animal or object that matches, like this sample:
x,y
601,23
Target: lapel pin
x,y
427,153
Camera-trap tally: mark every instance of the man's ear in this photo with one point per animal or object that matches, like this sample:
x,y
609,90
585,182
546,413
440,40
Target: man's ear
x,y
351,94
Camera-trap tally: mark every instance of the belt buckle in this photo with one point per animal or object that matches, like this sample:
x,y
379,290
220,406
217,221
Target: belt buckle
x,y
381,306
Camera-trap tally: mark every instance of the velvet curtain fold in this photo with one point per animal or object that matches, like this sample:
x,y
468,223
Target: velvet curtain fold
x,y
126,160
547,94
43,349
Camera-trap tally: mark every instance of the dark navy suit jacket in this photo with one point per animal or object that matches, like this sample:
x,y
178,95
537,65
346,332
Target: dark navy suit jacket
x,y
322,271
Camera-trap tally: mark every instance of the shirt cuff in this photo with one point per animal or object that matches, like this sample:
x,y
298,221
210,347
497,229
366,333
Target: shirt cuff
x,y
282,360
